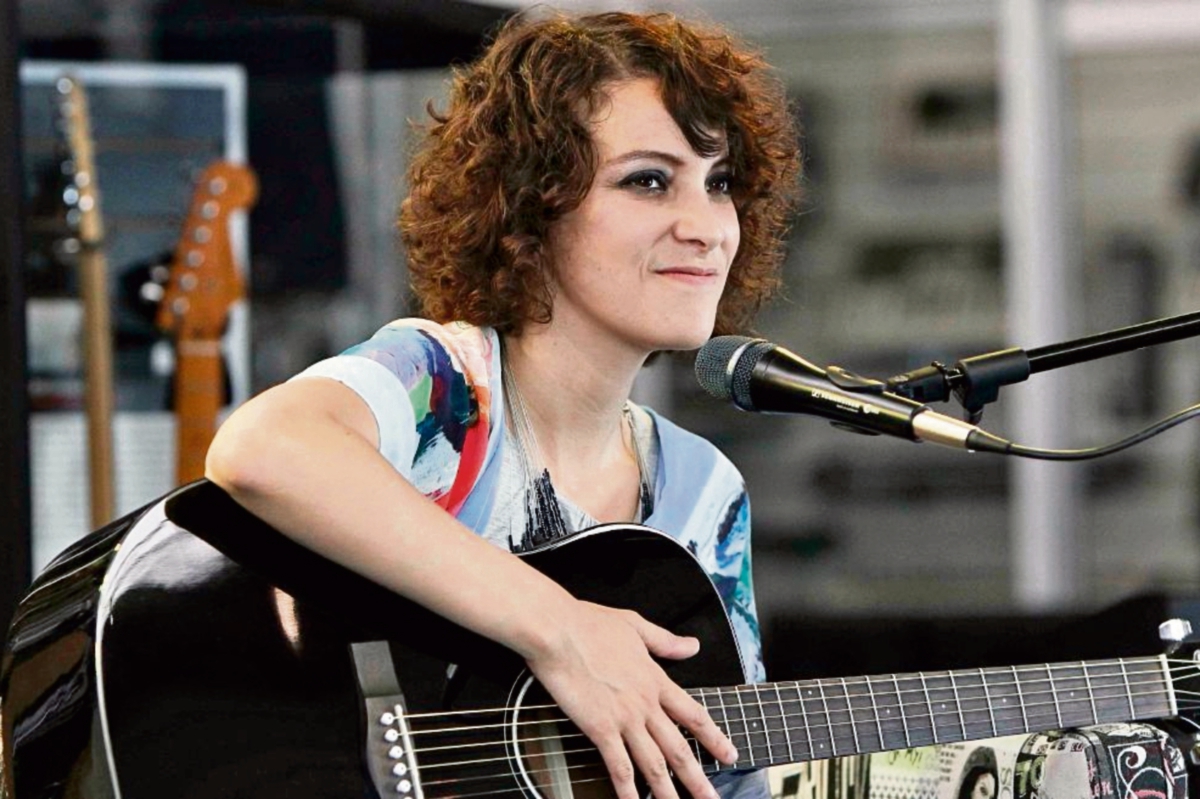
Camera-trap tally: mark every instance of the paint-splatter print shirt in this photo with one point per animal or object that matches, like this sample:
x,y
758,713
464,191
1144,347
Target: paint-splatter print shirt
x,y
435,391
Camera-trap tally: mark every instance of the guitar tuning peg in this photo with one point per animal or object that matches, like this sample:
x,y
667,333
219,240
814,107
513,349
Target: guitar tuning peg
x,y
1174,631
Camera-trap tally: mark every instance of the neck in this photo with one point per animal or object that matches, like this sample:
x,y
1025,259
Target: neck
x,y
574,394
787,722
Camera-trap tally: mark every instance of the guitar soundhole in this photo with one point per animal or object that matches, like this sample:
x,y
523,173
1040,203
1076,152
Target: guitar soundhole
x,y
555,760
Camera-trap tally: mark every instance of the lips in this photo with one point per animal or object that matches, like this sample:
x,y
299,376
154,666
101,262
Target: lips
x,y
689,271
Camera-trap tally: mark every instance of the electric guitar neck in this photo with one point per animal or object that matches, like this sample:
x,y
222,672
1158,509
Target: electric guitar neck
x,y
203,284
82,197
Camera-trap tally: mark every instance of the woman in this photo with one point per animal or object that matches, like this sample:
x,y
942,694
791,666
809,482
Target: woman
x,y
600,188
980,775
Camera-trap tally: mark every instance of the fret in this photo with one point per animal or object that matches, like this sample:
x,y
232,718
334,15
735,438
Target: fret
x,y
1153,696
916,708
761,724
1128,689
929,704
748,752
1021,700
962,720
864,715
1071,699
702,754
942,693
974,709
900,710
887,712
850,714
1041,701
1054,695
1003,691
816,712
727,723
987,698
829,725
1110,690
875,713
785,725
1087,681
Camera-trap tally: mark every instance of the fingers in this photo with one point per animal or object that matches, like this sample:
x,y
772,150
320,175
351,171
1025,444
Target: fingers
x,y
661,642
658,751
654,768
662,754
693,717
676,755
620,766
604,678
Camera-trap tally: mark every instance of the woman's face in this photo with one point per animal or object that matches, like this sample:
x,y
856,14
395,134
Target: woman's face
x,y
643,260
985,787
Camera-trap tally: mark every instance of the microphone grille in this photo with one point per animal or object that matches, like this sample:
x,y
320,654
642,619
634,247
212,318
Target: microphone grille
x,y
717,372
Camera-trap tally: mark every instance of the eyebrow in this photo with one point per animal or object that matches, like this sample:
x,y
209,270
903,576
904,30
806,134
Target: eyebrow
x,y
656,155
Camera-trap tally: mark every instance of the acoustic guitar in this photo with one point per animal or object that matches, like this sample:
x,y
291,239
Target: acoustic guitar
x,y
190,650
202,284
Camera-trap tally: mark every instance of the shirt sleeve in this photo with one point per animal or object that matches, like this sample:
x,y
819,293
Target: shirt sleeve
x,y
420,394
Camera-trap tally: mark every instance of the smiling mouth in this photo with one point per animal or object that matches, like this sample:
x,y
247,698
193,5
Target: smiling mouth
x,y
688,271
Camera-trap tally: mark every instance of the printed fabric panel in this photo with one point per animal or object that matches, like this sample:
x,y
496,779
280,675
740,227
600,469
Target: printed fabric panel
x,y
444,370
1104,761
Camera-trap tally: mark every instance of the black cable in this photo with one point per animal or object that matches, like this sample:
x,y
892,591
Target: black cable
x,y
992,444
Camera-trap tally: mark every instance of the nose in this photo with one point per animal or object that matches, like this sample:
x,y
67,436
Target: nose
x,y
700,220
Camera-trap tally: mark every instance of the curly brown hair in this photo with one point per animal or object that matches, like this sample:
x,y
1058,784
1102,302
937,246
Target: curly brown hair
x,y
513,153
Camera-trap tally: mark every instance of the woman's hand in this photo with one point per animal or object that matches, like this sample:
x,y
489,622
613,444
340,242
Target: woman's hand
x,y
602,675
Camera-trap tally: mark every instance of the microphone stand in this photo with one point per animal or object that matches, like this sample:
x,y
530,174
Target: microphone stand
x,y
976,381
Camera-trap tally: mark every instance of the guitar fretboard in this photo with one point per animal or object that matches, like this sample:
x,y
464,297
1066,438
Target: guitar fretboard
x,y
788,722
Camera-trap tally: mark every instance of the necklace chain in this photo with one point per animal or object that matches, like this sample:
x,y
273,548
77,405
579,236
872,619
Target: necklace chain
x,y
543,512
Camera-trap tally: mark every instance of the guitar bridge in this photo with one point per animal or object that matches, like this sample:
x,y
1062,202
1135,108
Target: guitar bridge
x,y
389,748
391,761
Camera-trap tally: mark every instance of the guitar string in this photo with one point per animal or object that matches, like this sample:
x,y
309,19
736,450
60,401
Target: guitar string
x,y
1154,661
794,752
935,718
534,773
596,764
751,745
797,686
458,782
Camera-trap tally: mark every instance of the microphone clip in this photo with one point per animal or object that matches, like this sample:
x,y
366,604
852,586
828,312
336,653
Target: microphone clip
x,y
974,381
848,381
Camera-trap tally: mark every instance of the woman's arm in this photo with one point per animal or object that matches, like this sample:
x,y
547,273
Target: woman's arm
x,y
303,457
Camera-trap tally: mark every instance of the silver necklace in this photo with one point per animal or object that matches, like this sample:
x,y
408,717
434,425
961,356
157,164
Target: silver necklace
x,y
544,519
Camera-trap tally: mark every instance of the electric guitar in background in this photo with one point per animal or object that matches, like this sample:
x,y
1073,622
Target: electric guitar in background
x,y
202,285
82,198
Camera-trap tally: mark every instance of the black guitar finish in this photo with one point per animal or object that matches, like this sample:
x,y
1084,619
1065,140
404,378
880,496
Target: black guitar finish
x,y
190,650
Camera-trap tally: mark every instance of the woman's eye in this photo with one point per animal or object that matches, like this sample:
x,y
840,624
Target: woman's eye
x,y
721,184
648,181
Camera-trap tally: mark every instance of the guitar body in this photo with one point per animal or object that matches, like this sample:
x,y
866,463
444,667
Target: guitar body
x,y
189,650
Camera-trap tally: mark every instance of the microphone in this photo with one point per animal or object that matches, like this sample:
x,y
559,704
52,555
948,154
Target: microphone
x,y
762,377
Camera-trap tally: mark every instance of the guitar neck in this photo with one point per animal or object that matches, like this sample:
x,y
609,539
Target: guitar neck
x,y
787,722
98,394
199,389
203,284
84,216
